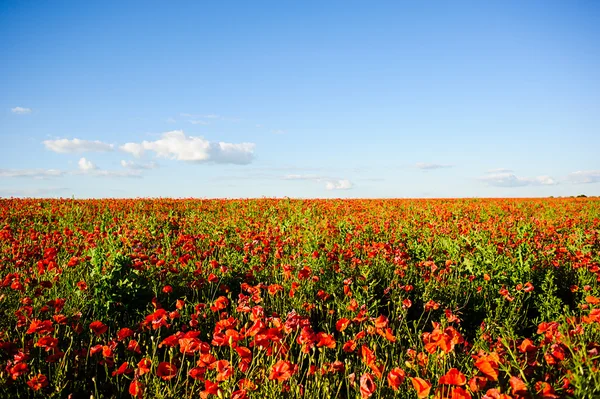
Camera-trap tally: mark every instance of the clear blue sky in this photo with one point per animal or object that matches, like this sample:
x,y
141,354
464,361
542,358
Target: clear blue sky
x,y
300,99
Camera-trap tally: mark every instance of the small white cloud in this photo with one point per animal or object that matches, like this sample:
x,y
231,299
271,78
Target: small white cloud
x,y
511,180
77,145
20,110
138,166
342,184
331,183
584,177
135,149
86,165
32,173
432,166
176,145
198,122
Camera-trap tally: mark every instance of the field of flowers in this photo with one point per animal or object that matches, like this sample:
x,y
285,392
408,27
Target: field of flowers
x,y
300,298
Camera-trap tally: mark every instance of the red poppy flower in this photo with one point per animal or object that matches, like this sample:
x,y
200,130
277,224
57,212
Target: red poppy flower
x,y
453,377
144,366
38,382
421,386
518,386
124,333
220,304
134,346
527,346
545,390
477,383
18,370
349,346
224,370
342,324
98,327
48,343
210,388
396,377
136,389
327,340
459,393
40,327
166,370
239,394
281,371
367,355
123,369
367,385
488,365
197,373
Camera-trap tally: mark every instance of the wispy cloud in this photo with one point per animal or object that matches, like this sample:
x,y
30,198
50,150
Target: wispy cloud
x,y
432,166
20,110
331,183
512,180
31,173
176,145
77,146
584,177
138,166
87,167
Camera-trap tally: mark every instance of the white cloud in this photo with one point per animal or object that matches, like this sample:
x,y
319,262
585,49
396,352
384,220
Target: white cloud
x,y
20,110
138,166
116,173
584,177
86,165
33,173
342,184
176,145
431,166
135,149
331,183
77,145
511,180
198,122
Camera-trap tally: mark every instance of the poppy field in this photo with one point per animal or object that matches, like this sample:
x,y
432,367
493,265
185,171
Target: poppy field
x,y
281,298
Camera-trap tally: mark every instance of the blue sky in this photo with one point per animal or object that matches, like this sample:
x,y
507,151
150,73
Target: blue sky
x,y
299,99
